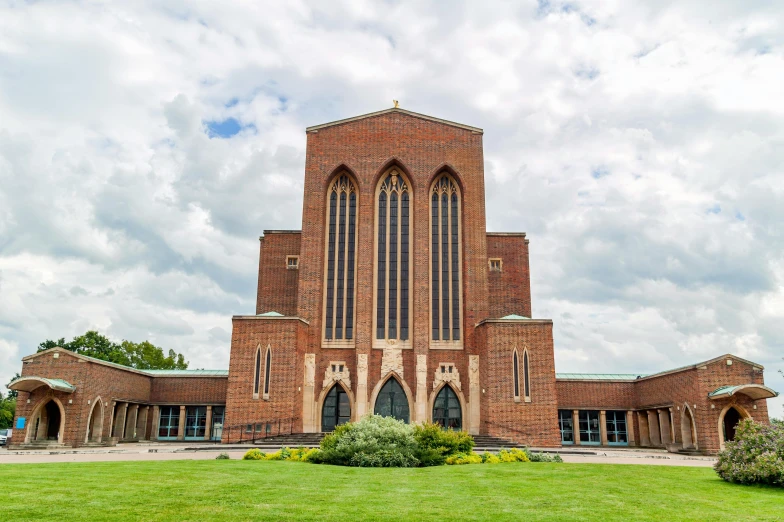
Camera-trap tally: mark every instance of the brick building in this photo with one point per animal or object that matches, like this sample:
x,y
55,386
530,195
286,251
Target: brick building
x,y
392,299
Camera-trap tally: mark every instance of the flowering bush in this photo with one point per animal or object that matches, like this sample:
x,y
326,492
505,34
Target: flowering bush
x,y
756,456
434,444
489,458
254,454
464,458
513,455
374,441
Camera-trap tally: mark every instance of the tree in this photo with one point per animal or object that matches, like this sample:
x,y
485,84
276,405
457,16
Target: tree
x,y
7,410
13,393
143,355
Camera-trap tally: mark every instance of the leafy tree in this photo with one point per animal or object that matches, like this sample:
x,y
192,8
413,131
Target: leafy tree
x,y
143,355
13,393
7,409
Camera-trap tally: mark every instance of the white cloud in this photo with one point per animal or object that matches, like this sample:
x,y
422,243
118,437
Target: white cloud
x,y
639,145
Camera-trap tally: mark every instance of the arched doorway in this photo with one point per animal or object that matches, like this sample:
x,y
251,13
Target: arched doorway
x,y
336,409
47,423
392,401
731,419
446,409
95,423
688,428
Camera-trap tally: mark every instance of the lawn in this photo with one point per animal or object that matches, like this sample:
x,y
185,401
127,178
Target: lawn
x,y
252,490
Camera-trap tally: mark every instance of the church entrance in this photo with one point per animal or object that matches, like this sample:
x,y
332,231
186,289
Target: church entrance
x,y
731,420
392,401
336,410
446,409
46,424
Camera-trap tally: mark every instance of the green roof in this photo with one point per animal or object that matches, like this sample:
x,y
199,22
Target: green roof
x,y
31,382
181,373
271,314
514,316
601,376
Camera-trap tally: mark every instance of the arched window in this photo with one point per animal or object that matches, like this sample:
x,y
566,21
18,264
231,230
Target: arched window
x,y
393,260
446,409
267,364
257,373
392,401
516,376
526,380
336,409
445,262
340,261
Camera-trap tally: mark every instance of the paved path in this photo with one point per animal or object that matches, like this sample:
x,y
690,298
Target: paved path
x,y
163,451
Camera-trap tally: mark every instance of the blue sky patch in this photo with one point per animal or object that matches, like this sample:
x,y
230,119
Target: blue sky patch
x,y
715,209
223,129
599,172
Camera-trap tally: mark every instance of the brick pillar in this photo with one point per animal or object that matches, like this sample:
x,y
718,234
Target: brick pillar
x,y
208,428
141,424
130,429
603,427
576,426
642,421
673,438
181,428
653,428
112,420
156,418
119,424
664,426
630,428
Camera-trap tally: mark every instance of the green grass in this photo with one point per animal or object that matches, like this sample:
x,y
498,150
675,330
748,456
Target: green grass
x,y
253,490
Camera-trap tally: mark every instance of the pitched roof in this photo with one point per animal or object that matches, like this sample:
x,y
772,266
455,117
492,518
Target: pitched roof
x,y
398,110
149,373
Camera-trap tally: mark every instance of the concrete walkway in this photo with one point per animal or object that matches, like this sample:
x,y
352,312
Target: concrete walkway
x,y
180,451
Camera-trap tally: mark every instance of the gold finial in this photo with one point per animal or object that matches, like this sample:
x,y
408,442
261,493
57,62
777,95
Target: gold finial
x,y
397,105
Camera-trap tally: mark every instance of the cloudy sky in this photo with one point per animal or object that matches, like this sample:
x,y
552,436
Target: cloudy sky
x,y
144,146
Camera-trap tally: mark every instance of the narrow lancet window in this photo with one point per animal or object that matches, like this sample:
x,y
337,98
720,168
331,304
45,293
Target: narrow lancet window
x,y
267,364
340,260
393,253
526,380
516,376
445,252
257,372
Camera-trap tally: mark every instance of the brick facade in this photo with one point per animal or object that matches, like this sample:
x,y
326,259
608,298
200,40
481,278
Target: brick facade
x,y
496,323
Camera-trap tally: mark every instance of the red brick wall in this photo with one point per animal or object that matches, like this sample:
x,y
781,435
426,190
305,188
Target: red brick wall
x,y
285,338
421,147
278,285
187,390
603,395
91,380
509,289
535,422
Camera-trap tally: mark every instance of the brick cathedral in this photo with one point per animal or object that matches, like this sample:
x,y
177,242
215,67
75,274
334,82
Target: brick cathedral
x,y
393,299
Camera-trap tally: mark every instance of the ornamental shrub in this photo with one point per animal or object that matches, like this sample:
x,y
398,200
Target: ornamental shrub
x,y
254,454
489,458
464,458
432,436
223,456
372,441
756,456
542,457
513,455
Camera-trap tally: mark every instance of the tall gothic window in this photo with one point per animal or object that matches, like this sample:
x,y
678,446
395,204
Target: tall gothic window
x,y
393,259
340,260
257,373
516,376
526,380
445,263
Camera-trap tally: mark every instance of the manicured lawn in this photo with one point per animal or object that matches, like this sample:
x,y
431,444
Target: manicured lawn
x,y
252,490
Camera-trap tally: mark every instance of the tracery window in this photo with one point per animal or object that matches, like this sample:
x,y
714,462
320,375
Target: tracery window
x,y
393,260
445,261
340,260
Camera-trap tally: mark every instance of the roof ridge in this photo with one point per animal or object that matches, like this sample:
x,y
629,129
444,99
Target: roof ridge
x,y
316,128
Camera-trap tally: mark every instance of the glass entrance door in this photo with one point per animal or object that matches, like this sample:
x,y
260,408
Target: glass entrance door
x,y
336,410
589,427
566,423
446,409
218,413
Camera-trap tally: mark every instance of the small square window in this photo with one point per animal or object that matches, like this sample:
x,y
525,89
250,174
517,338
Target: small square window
x,y
341,368
292,262
495,265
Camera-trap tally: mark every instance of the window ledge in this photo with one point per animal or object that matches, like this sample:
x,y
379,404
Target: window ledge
x,y
339,343
446,345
